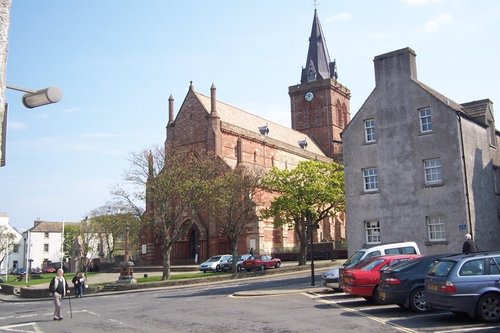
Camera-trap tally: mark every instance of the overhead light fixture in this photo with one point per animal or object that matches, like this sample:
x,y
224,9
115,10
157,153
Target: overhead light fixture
x,y
36,98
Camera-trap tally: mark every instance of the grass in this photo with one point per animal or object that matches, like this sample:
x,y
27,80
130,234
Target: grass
x,y
45,278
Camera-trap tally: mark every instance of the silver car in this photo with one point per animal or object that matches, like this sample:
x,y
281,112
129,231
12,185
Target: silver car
x,y
215,264
466,284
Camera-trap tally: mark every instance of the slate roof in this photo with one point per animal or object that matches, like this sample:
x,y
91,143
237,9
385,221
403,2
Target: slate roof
x,y
44,226
251,122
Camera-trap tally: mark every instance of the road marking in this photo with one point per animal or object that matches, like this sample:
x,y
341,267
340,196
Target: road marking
x,y
14,328
379,320
471,329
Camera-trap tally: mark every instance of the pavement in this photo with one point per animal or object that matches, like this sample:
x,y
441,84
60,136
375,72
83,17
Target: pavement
x,y
111,278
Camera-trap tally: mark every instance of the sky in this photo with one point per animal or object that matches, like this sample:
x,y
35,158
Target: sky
x,y
118,61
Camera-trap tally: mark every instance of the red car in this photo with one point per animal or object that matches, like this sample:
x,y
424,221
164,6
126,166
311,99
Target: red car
x,y
261,263
48,269
362,280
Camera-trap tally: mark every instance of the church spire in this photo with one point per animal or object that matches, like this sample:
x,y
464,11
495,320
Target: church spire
x,y
318,65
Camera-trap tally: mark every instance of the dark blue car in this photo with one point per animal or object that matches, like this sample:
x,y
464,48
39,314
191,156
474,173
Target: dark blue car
x,y
403,284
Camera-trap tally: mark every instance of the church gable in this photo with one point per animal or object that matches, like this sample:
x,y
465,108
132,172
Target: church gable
x,y
190,125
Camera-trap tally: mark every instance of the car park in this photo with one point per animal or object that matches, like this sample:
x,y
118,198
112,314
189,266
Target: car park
x,y
215,263
261,262
228,265
363,280
403,283
466,284
332,279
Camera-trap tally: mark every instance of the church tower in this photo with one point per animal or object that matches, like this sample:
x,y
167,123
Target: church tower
x,y
320,104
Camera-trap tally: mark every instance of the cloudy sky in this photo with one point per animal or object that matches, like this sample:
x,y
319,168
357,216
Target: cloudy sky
x,y
118,61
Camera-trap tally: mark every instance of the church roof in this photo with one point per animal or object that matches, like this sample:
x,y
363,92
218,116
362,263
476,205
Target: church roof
x,y
251,122
318,65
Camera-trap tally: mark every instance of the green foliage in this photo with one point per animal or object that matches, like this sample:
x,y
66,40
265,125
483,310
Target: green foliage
x,y
309,193
313,187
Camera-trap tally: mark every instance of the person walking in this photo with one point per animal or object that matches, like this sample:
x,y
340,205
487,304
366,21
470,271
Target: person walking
x,y
58,287
469,245
78,283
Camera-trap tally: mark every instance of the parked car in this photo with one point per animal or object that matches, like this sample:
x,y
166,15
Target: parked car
x,y
228,265
48,269
19,271
261,262
364,280
215,263
466,283
403,283
331,278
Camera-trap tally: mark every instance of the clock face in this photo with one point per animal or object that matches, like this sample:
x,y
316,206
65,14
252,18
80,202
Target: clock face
x,y
309,96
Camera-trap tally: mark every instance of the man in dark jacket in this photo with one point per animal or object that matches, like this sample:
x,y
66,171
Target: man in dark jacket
x,y
58,287
469,245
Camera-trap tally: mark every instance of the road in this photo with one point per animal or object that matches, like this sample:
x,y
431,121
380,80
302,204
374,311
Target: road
x,y
222,307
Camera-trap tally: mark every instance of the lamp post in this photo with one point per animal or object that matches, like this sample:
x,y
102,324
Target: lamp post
x,y
310,228
31,99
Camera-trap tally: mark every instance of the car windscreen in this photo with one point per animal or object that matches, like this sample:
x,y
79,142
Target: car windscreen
x,y
442,268
354,258
371,265
214,259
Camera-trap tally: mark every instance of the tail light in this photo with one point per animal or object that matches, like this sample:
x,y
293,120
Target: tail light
x,y
392,281
448,288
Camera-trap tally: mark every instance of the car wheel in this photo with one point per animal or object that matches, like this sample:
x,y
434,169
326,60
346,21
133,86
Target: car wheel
x,y
204,271
278,264
376,297
488,308
217,268
262,267
417,301
238,268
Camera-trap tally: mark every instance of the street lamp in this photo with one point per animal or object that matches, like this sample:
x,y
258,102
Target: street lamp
x,y
36,98
31,99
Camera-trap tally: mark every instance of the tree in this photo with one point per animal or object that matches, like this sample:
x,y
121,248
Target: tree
x,y
233,206
313,190
110,221
175,187
7,239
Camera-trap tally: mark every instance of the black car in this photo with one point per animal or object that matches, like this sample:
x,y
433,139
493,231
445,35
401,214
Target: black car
x,y
403,284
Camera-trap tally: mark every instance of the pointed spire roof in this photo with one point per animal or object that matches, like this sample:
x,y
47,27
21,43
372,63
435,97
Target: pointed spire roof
x,y
318,65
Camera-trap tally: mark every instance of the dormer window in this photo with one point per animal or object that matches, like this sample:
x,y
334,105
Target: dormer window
x,y
264,130
303,144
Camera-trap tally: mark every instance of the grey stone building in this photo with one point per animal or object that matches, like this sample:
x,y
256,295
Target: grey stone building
x,y
419,166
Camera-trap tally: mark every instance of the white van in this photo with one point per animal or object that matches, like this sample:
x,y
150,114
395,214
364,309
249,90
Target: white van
x,y
330,278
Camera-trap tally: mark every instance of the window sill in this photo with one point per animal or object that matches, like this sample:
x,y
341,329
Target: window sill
x,y
440,242
370,192
433,185
425,133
